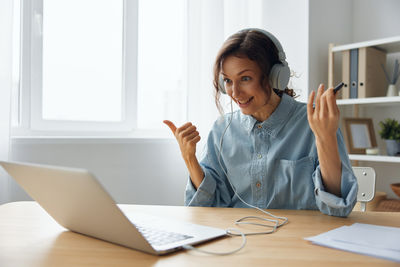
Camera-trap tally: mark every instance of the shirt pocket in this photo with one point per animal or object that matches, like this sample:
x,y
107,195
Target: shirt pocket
x,y
293,185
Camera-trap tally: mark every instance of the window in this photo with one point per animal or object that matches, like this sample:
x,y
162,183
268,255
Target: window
x,y
82,60
15,92
101,65
161,60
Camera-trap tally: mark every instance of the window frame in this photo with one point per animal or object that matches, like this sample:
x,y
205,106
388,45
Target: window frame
x,y
30,117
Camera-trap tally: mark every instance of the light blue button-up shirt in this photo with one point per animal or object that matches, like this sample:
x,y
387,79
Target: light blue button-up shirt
x,y
271,164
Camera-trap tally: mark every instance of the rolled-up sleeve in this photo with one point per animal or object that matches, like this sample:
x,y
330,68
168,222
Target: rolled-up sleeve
x,y
213,190
204,195
329,203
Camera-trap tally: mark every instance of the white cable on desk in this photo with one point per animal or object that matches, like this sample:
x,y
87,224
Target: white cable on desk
x,y
229,232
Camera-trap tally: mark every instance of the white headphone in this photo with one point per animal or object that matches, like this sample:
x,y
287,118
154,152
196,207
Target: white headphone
x,y
280,72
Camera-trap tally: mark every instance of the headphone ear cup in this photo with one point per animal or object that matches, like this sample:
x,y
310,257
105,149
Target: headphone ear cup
x,y
221,85
279,76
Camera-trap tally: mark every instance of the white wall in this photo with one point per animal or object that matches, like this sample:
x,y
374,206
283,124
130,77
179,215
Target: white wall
x,y
375,19
288,21
329,22
132,170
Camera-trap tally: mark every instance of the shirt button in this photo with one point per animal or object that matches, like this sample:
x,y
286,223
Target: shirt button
x,y
258,184
259,126
259,156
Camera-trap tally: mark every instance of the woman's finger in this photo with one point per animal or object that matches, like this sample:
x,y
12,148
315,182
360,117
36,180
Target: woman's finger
x,y
183,127
195,140
192,135
331,102
323,111
310,105
320,91
171,125
186,131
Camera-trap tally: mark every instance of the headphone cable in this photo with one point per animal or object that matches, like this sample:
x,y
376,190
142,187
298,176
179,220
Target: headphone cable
x,y
278,220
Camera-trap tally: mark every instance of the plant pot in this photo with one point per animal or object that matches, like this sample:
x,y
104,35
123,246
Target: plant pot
x,y
398,148
392,91
392,147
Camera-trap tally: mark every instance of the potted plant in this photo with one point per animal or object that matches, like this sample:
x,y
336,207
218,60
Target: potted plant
x,y
390,132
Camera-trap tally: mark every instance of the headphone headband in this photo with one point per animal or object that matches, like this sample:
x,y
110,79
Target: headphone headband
x,y
280,72
281,53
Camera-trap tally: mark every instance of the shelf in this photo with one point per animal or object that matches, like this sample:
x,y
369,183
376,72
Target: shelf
x,y
375,158
377,101
389,45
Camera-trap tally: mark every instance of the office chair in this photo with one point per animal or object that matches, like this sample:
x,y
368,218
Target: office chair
x,y
366,185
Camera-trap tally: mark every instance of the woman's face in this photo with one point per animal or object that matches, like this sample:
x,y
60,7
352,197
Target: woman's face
x,y
242,78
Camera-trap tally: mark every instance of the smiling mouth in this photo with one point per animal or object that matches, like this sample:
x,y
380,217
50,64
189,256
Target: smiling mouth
x,y
245,102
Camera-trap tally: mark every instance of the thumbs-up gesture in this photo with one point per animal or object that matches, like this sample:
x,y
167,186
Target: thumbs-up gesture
x,y
187,137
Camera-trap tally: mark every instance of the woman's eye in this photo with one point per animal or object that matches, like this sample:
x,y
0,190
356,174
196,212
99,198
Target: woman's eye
x,y
226,80
246,78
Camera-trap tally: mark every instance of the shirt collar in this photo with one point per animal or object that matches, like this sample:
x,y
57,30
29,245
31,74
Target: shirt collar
x,y
275,122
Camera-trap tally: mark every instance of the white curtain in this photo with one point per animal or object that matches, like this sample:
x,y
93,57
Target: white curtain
x,y
6,14
210,22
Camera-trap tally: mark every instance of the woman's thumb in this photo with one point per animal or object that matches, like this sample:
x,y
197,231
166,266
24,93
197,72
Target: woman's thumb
x,y
171,125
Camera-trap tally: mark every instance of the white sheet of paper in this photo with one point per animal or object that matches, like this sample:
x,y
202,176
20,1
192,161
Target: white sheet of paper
x,y
367,239
375,236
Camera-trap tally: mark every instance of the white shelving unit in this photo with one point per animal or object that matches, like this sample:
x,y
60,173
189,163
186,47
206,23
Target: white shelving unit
x,y
376,101
377,158
372,102
389,45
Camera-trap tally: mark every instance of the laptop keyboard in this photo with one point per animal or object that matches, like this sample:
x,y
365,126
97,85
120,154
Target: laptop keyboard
x,y
157,237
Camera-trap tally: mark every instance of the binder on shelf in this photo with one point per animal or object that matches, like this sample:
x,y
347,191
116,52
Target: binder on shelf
x,y
362,73
346,74
354,73
371,77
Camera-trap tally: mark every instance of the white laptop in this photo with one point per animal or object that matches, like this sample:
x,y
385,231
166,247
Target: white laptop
x,y
78,202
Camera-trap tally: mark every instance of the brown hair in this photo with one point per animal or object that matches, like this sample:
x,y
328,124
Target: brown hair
x,y
257,47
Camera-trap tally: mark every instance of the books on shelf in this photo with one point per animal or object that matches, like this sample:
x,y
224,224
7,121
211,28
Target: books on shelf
x,y
362,73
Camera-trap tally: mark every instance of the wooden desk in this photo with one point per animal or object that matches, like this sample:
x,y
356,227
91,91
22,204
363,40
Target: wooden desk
x,y
30,237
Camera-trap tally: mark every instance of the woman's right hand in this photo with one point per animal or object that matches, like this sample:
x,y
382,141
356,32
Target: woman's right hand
x,y
187,137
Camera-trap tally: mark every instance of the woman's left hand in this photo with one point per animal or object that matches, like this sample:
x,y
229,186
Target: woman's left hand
x,y
324,118
324,122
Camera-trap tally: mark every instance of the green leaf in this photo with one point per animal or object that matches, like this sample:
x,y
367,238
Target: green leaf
x,y
389,129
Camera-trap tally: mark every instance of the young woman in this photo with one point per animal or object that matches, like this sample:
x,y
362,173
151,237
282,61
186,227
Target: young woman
x,y
277,153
